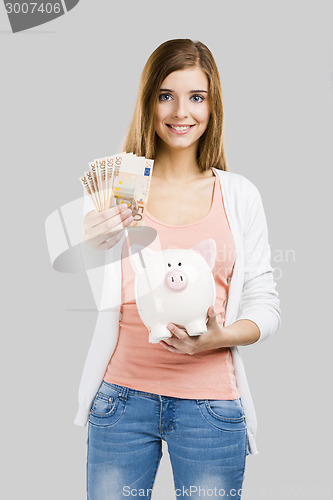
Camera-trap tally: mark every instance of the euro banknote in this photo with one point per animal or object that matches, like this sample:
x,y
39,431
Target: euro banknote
x,y
117,179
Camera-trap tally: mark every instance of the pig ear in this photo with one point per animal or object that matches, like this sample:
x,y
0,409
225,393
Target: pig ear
x,y
207,249
138,257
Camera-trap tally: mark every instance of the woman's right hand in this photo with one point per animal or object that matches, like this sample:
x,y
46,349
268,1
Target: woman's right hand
x,y
98,227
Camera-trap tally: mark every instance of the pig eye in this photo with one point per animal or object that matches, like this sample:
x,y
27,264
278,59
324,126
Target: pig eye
x,y
169,264
179,263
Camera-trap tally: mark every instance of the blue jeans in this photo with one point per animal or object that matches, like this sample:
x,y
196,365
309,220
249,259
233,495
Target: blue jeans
x,y
207,444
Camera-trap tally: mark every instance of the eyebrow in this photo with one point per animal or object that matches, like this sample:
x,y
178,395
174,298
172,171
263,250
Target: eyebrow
x,y
191,91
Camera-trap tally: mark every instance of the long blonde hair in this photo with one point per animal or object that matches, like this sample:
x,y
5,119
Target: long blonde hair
x,y
170,56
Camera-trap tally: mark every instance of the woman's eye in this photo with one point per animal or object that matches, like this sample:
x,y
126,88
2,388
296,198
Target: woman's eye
x,y
163,97
197,98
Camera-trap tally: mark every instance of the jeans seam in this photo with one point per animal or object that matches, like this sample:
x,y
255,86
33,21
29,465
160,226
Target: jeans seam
x,y
245,450
87,468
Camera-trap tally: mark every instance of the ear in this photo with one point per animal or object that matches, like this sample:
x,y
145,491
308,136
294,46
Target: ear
x,y
207,249
138,257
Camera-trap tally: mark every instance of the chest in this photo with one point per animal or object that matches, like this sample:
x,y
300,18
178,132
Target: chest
x,y
182,205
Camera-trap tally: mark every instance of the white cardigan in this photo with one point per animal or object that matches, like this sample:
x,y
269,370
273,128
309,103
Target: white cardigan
x,y
251,295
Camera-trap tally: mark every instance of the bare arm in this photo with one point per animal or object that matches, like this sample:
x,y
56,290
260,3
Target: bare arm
x,y
242,332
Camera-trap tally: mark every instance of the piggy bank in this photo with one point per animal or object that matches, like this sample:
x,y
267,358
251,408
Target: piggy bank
x,y
174,286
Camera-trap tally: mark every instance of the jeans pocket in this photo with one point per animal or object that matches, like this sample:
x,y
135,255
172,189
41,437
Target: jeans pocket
x,y
103,405
230,410
107,407
224,414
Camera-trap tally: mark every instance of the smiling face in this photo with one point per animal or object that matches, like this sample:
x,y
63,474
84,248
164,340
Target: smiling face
x,y
182,112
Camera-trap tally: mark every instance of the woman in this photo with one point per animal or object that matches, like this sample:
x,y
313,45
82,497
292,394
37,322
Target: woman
x,y
190,391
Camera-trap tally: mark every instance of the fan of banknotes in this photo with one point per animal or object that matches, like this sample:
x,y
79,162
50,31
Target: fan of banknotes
x,y
121,178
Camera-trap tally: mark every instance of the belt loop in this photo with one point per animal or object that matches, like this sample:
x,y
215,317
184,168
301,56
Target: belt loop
x,y
123,392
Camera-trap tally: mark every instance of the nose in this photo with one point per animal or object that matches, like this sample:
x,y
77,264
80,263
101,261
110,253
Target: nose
x,y
176,280
180,109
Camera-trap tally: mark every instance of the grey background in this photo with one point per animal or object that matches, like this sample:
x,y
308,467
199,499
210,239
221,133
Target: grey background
x,y
68,90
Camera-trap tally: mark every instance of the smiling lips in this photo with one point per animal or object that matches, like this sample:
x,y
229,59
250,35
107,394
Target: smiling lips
x,y
179,129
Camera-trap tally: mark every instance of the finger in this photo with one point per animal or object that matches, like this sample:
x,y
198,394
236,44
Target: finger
x,y
171,341
96,222
107,239
210,310
211,314
106,245
181,327
176,343
109,225
103,237
178,332
171,349
96,218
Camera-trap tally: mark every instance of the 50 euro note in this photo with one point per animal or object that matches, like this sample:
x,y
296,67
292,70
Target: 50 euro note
x,y
103,168
118,179
97,184
131,183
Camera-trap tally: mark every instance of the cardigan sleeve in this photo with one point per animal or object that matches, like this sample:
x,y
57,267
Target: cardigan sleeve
x,y
260,301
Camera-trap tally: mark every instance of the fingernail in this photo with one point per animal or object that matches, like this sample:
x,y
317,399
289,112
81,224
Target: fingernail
x,y
170,327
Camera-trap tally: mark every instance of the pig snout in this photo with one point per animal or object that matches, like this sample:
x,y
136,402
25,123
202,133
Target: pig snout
x,y
176,280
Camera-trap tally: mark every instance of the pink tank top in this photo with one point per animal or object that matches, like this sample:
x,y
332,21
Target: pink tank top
x,y
147,367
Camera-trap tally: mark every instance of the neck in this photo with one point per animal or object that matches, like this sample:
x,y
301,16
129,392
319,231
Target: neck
x,y
176,166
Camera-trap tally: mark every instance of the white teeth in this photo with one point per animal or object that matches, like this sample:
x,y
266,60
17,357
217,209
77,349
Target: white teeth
x,y
180,128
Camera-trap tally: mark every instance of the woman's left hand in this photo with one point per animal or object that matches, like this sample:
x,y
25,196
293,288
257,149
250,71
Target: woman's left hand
x,y
182,343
